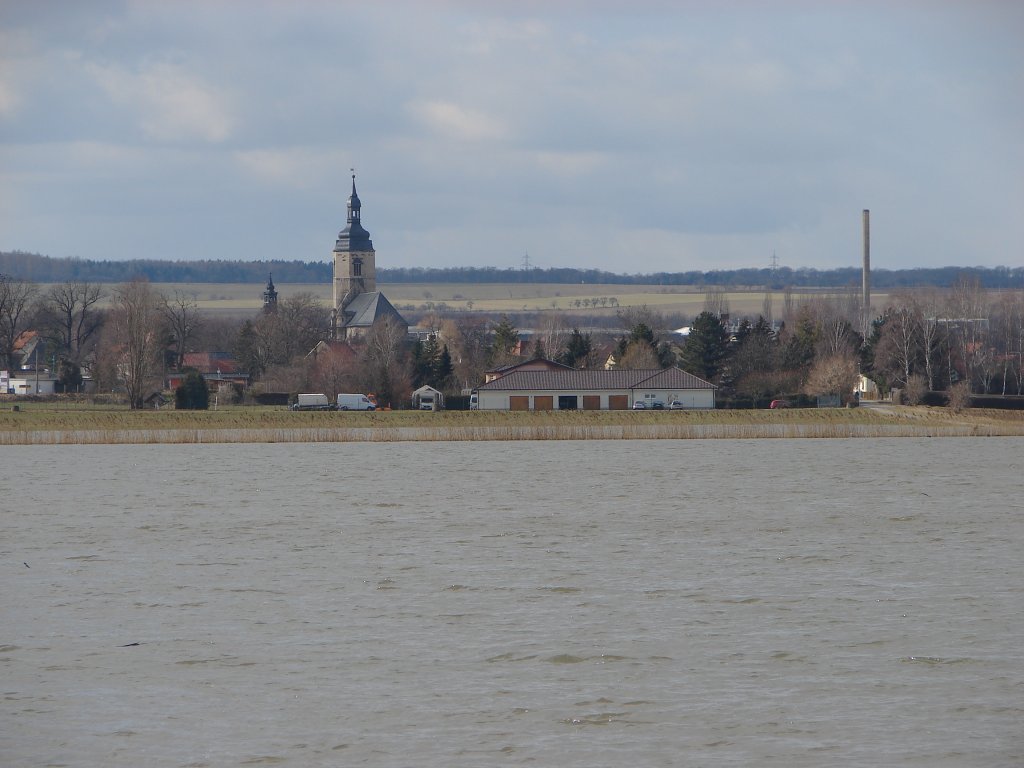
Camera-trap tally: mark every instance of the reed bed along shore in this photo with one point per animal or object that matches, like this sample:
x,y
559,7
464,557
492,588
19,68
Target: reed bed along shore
x,y
56,426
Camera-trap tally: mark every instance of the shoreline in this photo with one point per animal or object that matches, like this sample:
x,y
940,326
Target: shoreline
x,y
54,426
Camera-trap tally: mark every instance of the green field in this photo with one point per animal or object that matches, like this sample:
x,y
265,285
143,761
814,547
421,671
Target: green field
x,y
496,298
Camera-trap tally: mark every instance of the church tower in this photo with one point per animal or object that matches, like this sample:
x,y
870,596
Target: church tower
x,y
354,258
270,296
358,305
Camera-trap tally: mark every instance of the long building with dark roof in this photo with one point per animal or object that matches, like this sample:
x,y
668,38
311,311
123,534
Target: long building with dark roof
x,y
617,389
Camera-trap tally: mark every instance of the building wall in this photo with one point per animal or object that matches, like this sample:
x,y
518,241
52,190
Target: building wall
x,y
345,280
30,386
691,398
589,400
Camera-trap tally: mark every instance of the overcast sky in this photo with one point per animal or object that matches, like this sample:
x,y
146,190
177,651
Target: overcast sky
x,y
667,137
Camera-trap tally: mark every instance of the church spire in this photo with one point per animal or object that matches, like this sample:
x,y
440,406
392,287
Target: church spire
x,y
353,201
353,237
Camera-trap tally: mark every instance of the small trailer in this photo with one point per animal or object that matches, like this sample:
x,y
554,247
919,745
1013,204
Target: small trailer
x,y
311,402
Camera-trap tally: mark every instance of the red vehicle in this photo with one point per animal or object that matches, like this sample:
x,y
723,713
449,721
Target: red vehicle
x,y
779,404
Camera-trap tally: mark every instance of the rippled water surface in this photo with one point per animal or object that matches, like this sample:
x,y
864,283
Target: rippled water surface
x,y
659,603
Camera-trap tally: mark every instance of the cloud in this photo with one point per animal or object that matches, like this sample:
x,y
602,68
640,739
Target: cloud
x,y
683,135
8,97
571,163
296,167
168,103
458,122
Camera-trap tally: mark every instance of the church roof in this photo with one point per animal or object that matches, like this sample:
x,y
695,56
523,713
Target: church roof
x,y
353,237
366,308
572,379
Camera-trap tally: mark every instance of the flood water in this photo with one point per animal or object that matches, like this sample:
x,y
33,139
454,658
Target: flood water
x,y
605,603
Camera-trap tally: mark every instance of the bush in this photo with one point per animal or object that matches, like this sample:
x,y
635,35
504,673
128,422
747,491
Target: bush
x,y
1006,402
915,391
959,396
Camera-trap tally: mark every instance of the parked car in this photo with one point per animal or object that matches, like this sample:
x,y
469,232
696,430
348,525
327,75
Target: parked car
x,y
779,404
657,405
676,405
639,405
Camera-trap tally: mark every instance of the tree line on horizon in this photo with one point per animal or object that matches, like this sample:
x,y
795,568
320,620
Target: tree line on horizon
x,y
38,268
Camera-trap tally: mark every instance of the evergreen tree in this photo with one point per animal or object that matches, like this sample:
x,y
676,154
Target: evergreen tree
x,y
642,349
443,370
193,394
706,347
503,345
798,351
578,350
247,350
70,376
422,364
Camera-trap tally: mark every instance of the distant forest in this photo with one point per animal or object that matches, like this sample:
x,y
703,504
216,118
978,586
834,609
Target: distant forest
x,y
45,269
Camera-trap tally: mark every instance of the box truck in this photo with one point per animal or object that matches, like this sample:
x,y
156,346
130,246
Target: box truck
x,y
355,403
311,402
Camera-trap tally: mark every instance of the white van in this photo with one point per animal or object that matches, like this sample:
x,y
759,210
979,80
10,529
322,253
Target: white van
x,y
474,402
355,403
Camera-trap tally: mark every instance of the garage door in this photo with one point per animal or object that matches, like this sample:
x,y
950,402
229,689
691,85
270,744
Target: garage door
x,y
543,403
618,402
591,402
519,403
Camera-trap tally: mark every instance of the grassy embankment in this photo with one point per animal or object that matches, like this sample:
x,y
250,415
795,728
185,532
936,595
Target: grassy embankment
x,y
48,423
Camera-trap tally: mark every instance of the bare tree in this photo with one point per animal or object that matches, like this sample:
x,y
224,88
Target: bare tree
x,y
716,301
299,323
1010,334
899,346
836,334
638,356
468,342
969,324
73,317
631,317
385,362
180,313
834,375
788,305
333,374
16,298
217,333
552,333
136,325
285,378
928,306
